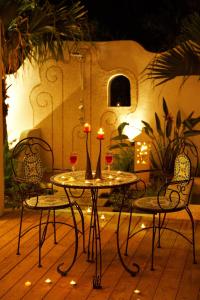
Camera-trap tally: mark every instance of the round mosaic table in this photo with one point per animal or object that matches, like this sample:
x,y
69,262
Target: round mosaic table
x,y
76,180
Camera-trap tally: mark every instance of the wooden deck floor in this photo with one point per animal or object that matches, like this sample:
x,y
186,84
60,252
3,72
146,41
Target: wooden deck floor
x,y
175,276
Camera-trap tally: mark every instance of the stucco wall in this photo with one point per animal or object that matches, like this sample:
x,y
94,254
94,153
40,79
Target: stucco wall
x,y
60,97
1,145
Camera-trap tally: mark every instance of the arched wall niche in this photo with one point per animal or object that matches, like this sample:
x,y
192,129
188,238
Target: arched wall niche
x,y
130,85
119,91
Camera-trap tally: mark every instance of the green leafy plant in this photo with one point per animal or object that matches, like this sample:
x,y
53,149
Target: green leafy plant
x,y
123,150
36,30
167,130
182,60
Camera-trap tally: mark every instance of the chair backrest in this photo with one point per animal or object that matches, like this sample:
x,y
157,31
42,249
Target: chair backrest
x,y
181,151
182,167
179,189
31,159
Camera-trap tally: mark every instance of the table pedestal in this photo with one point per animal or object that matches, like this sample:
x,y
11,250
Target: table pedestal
x,y
94,242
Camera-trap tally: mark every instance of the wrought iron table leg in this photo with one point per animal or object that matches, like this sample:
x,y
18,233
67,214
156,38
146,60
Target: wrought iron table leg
x,y
94,242
64,272
137,268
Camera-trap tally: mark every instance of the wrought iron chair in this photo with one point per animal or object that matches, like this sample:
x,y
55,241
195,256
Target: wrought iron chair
x,y
32,162
173,196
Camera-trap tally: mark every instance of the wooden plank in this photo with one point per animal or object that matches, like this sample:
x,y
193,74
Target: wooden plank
x,y
29,261
115,270
82,272
172,273
8,252
54,257
190,283
127,284
175,277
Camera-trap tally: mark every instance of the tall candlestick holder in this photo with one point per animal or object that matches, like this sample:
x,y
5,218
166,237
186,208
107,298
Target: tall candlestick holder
x,y
98,168
88,172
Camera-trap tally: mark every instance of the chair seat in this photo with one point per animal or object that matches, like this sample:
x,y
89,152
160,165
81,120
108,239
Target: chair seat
x,y
47,202
150,204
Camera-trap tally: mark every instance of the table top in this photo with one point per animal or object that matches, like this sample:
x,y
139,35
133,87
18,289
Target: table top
x,y
109,179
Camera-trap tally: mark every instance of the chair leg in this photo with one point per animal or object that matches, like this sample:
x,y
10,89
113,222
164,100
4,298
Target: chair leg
x,y
42,235
82,225
159,228
40,240
20,230
153,241
54,226
136,266
64,272
128,232
193,234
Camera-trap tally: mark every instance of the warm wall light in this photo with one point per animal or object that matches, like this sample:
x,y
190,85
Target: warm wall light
x,y
142,153
142,156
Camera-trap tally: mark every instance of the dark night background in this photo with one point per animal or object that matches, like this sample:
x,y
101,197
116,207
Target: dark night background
x,y
154,24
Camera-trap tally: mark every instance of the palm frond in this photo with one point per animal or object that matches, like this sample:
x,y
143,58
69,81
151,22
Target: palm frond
x,y
38,30
191,28
182,60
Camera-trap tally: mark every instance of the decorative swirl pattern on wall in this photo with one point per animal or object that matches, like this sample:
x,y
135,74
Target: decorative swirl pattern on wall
x,y
55,74
42,99
52,73
109,118
77,132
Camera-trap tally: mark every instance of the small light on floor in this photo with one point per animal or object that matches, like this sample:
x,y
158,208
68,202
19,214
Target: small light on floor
x,y
102,217
48,280
73,282
143,226
136,291
27,283
89,210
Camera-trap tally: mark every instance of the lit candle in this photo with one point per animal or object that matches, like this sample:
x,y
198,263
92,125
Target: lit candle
x,y
100,134
27,283
89,210
87,127
48,280
102,217
98,179
73,283
136,291
87,182
142,225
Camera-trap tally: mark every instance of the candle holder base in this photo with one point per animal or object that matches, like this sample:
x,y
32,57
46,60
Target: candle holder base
x,y
98,174
88,172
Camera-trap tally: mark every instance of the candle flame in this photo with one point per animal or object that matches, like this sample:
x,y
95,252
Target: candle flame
x,y
100,131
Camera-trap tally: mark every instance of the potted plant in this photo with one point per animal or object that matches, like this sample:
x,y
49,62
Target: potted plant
x,y
123,150
166,130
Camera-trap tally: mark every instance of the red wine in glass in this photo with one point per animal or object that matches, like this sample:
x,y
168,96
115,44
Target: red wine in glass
x,y
109,159
73,159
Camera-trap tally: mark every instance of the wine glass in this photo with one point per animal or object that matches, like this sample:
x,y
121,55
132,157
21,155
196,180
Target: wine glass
x,y
109,159
73,159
